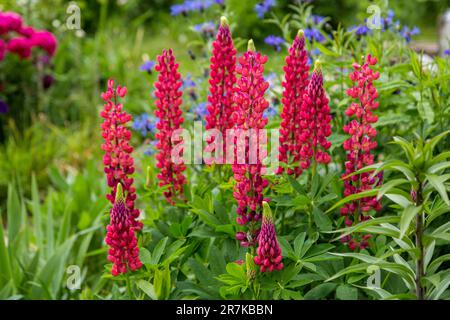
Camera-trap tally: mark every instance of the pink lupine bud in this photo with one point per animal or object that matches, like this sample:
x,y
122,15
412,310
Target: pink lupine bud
x,y
296,71
250,105
168,102
121,238
359,147
221,86
268,253
118,162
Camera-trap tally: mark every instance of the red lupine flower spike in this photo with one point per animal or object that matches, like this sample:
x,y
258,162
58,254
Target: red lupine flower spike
x,y
359,147
296,73
248,117
221,83
121,238
118,162
268,253
168,101
315,122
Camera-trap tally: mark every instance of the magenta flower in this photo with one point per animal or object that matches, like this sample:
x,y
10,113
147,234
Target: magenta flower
x,y
9,21
168,101
315,122
250,106
44,40
296,73
221,85
359,147
268,253
20,46
118,162
121,237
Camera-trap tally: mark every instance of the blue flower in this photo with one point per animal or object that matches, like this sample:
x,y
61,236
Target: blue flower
x,y
192,5
207,29
151,150
4,108
314,34
144,124
274,41
270,112
408,33
198,5
263,7
147,66
199,110
188,82
361,30
447,52
178,9
315,52
316,19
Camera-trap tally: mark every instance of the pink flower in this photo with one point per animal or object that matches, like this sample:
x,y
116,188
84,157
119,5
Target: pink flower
x,y
248,118
9,21
118,162
315,122
20,46
359,147
296,73
121,238
45,40
268,253
168,101
221,85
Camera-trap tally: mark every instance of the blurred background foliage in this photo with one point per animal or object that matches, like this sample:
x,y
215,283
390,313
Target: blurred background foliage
x,y
63,178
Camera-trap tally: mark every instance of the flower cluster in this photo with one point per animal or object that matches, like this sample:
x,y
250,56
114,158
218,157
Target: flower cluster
x,y
268,253
294,86
193,6
314,34
121,237
248,117
263,7
359,147
20,39
274,41
118,162
221,85
144,124
168,101
385,24
315,121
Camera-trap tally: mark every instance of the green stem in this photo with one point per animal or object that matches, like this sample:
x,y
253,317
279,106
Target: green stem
x,y
129,291
420,273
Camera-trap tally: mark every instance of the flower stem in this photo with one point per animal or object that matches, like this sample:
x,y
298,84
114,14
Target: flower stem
x,y
420,292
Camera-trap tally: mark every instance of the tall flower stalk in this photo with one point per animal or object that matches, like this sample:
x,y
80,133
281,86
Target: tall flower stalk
x,y
315,122
168,102
118,162
249,120
296,72
121,237
359,148
221,85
